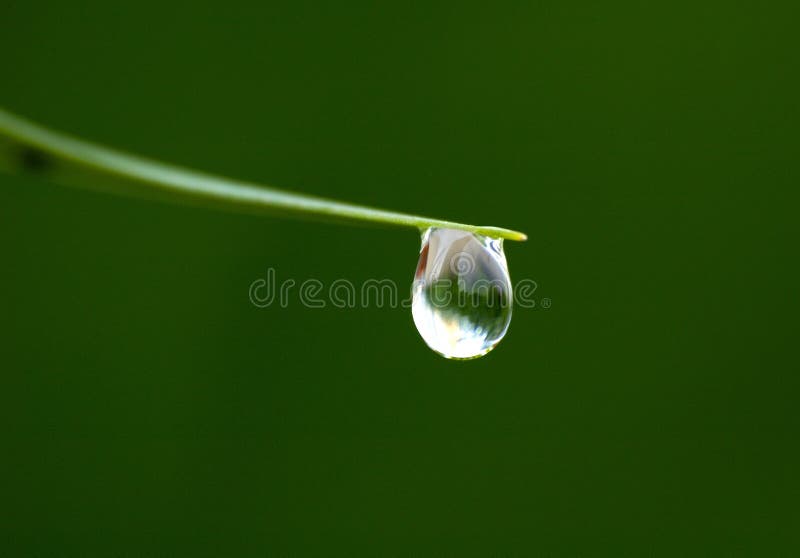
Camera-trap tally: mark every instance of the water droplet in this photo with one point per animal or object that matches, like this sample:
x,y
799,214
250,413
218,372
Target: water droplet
x,y
461,293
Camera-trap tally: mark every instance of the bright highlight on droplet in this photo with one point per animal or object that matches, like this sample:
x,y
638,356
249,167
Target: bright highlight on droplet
x,y
461,293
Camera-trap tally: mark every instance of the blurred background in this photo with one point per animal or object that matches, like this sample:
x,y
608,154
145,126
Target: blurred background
x,y
649,151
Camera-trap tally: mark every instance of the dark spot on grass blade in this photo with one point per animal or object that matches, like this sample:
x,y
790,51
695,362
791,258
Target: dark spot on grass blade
x,y
34,160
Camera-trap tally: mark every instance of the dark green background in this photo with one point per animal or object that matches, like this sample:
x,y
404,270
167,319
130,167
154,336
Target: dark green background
x,y
649,150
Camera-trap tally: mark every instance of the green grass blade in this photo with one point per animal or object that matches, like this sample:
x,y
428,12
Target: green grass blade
x,y
34,147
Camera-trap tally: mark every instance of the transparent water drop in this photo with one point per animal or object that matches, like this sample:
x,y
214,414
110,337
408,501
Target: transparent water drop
x,y
461,296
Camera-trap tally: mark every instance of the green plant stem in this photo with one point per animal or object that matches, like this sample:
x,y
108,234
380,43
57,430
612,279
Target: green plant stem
x,y
101,168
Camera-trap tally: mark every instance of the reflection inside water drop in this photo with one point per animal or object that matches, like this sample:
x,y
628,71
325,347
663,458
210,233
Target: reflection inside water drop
x,y
461,293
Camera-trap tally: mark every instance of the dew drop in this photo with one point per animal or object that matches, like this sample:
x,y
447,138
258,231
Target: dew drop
x,y
461,295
